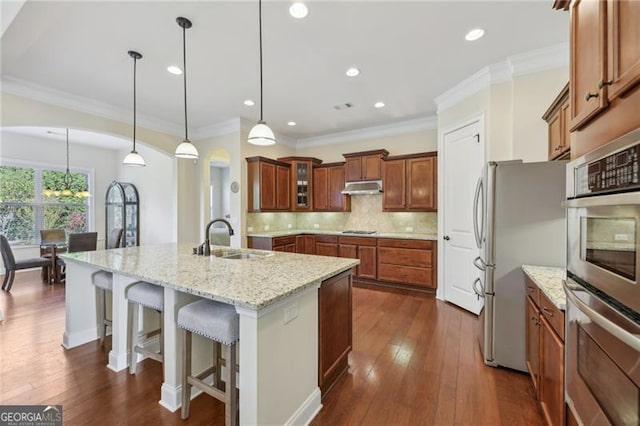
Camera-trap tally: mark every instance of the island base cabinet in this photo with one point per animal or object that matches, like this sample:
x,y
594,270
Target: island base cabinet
x,y
335,332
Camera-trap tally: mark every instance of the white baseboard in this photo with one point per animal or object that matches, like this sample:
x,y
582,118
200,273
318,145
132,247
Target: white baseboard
x,y
307,411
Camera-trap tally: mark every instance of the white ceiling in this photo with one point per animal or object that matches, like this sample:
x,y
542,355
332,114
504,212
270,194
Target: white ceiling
x,y
76,136
408,53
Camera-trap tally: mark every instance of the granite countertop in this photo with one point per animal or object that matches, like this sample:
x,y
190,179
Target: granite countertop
x,y
549,280
250,283
402,235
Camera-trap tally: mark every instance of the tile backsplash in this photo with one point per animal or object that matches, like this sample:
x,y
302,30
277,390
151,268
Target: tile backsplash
x,y
366,214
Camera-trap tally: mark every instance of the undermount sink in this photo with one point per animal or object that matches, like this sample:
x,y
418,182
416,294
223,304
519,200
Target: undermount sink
x,y
238,254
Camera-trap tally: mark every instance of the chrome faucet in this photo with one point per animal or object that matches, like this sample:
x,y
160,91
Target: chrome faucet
x,y
207,248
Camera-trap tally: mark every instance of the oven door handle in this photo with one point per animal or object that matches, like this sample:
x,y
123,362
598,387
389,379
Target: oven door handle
x,y
619,333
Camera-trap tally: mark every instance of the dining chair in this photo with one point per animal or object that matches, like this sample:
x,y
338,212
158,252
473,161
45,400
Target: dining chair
x,y
79,241
11,265
49,238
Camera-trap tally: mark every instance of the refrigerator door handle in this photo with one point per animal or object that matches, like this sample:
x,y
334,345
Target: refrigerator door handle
x,y
478,229
478,291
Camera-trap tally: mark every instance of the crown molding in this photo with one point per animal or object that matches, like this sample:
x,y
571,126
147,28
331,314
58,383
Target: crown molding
x,y
36,92
555,56
408,126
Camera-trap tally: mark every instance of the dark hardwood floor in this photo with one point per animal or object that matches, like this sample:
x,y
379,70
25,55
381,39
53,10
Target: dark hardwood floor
x,y
415,361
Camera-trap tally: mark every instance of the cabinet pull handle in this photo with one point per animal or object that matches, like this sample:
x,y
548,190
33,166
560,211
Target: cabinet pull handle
x,y
603,83
547,311
590,95
531,289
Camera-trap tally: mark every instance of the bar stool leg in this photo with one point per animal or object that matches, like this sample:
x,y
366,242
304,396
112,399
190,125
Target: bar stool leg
x,y
133,337
231,395
217,375
186,372
102,328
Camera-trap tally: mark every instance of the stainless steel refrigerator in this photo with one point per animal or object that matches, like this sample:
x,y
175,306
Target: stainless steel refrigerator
x,y
518,219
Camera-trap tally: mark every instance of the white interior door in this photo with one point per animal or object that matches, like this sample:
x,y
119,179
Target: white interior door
x,y
463,150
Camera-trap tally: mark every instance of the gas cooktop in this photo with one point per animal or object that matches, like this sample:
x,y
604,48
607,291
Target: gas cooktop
x,y
358,232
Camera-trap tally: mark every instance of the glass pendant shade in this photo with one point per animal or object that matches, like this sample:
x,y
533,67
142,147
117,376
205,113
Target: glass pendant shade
x,y
134,159
47,192
261,135
66,192
83,194
186,150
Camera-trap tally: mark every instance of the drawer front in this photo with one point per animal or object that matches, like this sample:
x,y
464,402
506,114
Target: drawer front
x,y
326,238
554,316
405,257
413,244
358,241
284,241
533,291
405,275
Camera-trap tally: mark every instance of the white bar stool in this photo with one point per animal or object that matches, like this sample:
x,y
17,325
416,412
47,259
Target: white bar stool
x,y
103,281
220,323
148,296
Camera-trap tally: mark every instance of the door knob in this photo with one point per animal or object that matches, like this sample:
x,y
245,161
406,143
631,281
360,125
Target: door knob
x,y
446,238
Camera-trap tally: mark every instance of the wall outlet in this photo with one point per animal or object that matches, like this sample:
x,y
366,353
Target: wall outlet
x,y
266,227
249,228
289,226
316,226
408,229
290,313
621,237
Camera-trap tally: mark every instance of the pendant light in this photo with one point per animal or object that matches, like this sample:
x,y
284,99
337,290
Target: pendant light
x,y
66,192
261,134
186,149
133,158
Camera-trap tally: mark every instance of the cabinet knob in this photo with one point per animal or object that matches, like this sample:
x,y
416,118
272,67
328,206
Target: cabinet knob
x,y
446,238
590,95
603,83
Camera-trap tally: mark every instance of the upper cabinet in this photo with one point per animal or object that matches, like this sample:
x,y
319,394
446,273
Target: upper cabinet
x,y
364,166
328,183
558,118
301,182
268,185
604,71
410,183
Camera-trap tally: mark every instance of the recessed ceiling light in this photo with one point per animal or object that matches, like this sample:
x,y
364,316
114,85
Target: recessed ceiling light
x,y
378,104
474,34
291,123
298,10
249,102
174,70
352,72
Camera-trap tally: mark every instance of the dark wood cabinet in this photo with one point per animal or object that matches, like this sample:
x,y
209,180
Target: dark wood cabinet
x,y
558,119
363,248
604,71
545,352
268,186
301,182
328,183
364,166
335,329
410,183
306,244
287,243
408,262
326,245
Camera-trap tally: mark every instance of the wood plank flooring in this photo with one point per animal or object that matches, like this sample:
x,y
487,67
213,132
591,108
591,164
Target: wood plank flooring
x,y
415,361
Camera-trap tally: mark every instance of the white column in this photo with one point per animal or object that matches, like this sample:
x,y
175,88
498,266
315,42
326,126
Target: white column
x,y
81,322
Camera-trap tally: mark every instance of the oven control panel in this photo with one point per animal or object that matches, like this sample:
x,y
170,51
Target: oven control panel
x,y
615,172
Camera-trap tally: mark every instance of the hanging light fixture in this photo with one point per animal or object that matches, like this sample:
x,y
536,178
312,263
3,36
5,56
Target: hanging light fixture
x,y
66,192
133,158
261,134
186,149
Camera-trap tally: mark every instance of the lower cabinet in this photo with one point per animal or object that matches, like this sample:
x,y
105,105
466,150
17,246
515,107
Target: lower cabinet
x,y
362,248
326,245
334,329
306,244
545,353
407,262
287,244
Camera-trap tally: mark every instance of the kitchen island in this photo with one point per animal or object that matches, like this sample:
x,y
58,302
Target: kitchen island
x,y
279,297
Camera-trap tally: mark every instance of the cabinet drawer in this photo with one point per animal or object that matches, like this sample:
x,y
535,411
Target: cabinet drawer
x,y
405,257
414,244
358,241
554,316
326,239
405,275
284,241
532,290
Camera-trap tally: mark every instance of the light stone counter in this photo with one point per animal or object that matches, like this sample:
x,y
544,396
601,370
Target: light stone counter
x,y
549,280
401,235
250,283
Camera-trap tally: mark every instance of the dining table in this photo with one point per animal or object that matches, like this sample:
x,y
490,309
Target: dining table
x,y
51,250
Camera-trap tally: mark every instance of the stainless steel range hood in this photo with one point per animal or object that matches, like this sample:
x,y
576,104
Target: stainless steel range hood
x,y
363,188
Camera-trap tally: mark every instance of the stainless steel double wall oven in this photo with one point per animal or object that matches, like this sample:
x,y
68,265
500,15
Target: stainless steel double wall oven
x,y
603,284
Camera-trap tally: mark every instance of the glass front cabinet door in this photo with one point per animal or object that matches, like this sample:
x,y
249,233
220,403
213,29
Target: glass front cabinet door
x,y
122,205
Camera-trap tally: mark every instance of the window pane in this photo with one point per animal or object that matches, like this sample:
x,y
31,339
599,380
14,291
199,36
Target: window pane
x,y
17,223
16,184
71,217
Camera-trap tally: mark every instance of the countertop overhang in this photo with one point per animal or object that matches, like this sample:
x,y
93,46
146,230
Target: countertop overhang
x,y
249,283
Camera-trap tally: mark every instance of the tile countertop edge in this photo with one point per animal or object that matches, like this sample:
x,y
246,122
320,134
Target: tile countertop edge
x,y
549,281
289,233
249,306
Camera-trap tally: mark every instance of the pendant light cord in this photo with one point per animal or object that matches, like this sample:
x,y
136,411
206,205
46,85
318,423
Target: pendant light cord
x,y
135,60
260,37
184,72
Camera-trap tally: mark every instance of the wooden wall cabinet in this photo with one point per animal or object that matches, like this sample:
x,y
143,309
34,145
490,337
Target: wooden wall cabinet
x,y
545,353
604,71
328,183
363,248
558,119
410,183
268,187
364,166
301,182
407,262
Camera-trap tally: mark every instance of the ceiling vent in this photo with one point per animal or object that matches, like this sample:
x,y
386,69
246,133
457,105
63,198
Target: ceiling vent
x,y
346,105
